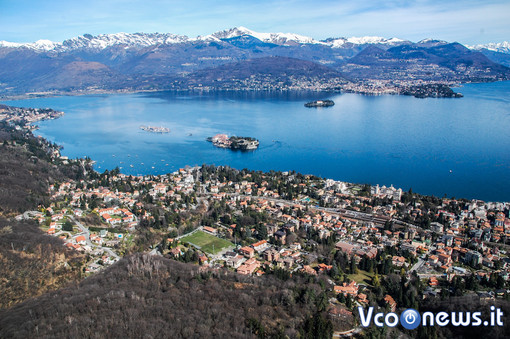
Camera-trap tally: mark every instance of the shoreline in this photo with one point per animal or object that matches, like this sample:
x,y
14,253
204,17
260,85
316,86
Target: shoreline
x,y
391,90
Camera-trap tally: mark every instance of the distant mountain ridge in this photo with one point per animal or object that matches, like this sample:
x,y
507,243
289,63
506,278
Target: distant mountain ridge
x,y
155,61
140,40
502,47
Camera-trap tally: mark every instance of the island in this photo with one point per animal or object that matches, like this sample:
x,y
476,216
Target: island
x,y
320,103
155,129
234,142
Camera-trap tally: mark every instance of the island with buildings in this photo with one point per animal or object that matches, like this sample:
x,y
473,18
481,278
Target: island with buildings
x,y
234,142
320,103
155,129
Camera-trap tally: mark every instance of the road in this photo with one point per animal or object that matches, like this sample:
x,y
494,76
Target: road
x,y
85,231
418,265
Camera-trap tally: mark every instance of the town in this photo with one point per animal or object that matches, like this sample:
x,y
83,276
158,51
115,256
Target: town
x,y
23,118
364,239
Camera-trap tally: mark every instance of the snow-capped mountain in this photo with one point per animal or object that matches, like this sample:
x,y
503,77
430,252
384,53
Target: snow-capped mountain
x,y
273,38
366,40
127,40
429,42
142,40
102,41
39,45
501,47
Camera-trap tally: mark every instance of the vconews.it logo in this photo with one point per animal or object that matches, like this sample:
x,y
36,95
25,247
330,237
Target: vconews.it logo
x,y
411,319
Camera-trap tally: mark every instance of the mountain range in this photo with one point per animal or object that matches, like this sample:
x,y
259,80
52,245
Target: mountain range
x,y
159,61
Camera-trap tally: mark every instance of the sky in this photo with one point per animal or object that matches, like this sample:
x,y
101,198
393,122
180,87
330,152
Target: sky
x,y
465,21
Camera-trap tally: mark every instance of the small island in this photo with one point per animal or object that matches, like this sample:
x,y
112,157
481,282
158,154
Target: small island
x,y
155,129
320,103
233,142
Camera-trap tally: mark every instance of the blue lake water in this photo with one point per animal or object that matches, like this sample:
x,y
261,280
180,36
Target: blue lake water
x,y
458,147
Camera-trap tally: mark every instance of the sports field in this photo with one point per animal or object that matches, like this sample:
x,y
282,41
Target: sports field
x,y
206,242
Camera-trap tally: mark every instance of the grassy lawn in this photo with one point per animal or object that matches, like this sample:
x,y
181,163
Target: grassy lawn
x,y
363,277
207,242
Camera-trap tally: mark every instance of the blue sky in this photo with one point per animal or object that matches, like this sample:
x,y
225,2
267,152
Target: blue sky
x,y
465,21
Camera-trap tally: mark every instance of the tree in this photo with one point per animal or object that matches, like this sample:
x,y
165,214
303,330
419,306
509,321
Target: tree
x,y
375,280
321,302
262,232
67,226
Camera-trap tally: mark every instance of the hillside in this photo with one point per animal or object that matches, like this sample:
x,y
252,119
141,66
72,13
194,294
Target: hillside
x,y
435,62
263,73
150,296
31,262
27,170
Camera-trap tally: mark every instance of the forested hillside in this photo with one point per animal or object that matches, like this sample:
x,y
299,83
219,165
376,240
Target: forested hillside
x,y
31,262
150,296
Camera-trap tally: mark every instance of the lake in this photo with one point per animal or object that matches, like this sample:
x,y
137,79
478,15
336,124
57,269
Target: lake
x,y
457,147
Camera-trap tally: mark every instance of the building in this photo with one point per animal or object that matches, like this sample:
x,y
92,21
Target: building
x,y
247,251
473,258
280,236
211,230
390,302
345,247
235,261
436,227
271,255
248,267
347,289
260,245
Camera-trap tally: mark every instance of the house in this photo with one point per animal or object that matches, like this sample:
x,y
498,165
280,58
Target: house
x,y
235,261
347,289
398,261
390,302
362,298
260,245
345,247
211,230
81,240
176,252
280,236
248,252
433,259
324,267
202,259
444,258
271,255
436,227
248,267
473,258
308,270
